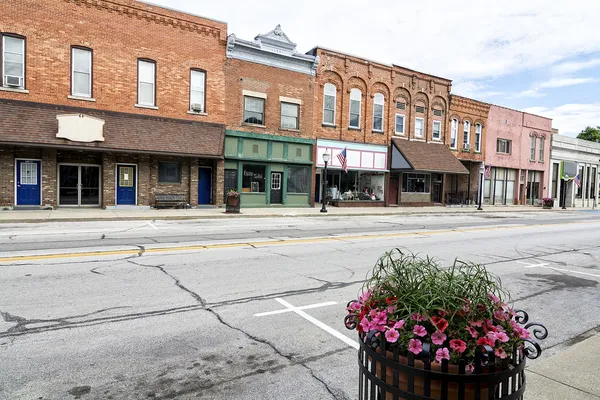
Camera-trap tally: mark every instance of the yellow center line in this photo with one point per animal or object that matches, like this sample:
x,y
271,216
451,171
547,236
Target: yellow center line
x,y
274,242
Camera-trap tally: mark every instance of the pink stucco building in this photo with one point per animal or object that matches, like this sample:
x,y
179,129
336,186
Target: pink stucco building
x,y
517,157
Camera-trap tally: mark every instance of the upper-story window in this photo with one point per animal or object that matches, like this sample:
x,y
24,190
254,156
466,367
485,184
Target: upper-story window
x,y
532,149
454,134
329,96
197,91
466,134
437,130
378,102
355,103
289,115
147,83
542,143
420,109
399,124
478,129
419,125
254,110
81,72
13,62
503,146
401,105
437,113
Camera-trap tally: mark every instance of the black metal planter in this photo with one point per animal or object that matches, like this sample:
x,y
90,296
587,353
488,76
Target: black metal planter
x,y
384,374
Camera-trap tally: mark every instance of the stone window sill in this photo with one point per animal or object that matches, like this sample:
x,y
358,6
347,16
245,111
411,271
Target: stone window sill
x,y
329,125
254,125
148,107
352,128
290,130
378,132
14,90
197,113
71,97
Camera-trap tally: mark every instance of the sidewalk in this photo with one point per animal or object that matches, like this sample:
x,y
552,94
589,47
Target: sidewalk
x,y
570,375
96,214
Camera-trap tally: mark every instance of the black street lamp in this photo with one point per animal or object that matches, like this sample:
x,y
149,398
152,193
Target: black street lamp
x,y
481,172
564,191
326,158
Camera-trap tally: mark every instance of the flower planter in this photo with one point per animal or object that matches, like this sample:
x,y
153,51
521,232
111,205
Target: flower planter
x,y
232,205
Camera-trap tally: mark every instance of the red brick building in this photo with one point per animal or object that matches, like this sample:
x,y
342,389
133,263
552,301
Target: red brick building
x,y
388,118
466,136
98,115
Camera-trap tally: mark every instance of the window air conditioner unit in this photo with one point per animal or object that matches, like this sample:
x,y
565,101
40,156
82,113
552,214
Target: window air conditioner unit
x,y
467,146
13,81
196,107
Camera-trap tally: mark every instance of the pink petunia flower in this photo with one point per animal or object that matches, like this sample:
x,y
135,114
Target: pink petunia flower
x,y
420,331
467,306
365,296
500,353
415,346
399,324
503,337
392,335
501,315
438,338
470,368
492,336
440,323
354,307
458,345
473,332
365,324
391,309
417,317
493,297
442,354
373,313
485,341
477,324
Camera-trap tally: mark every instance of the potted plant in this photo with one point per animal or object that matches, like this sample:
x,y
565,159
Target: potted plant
x,y
428,332
547,202
233,201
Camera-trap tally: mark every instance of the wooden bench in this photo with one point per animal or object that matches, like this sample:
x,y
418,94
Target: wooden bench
x,y
170,201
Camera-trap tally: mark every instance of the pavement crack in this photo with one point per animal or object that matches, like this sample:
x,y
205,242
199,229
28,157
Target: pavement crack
x,y
177,282
564,384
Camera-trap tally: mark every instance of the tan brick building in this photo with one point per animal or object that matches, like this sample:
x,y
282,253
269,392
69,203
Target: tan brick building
x,y
466,136
371,110
269,142
98,115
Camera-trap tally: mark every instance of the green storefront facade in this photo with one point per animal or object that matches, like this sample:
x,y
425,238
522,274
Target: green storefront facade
x,y
269,170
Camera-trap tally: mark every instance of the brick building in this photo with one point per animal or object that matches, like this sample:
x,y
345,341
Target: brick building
x,y
97,115
269,142
466,138
391,121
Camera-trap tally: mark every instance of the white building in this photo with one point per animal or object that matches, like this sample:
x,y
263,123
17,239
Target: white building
x,y
583,154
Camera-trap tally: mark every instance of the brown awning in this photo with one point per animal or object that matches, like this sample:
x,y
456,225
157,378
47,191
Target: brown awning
x,y
412,155
36,124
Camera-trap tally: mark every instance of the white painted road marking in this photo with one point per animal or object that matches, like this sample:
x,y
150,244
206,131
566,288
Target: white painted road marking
x,y
285,310
563,270
318,323
527,265
152,225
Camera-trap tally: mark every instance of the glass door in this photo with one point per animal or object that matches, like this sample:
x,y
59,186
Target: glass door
x,y
79,185
68,185
89,185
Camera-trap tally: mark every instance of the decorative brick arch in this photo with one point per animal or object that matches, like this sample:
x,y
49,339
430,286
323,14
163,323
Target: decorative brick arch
x,y
478,122
469,120
358,83
421,98
380,87
402,93
456,117
332,77
440,102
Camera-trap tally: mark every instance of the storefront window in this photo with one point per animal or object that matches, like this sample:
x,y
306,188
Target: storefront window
x,y
416,183
580,187
355,186
253,179
297,180
554,181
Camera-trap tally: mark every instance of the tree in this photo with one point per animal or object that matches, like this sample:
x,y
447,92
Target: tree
x,y
590,133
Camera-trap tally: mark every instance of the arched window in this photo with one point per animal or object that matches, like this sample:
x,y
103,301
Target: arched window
x,y
478,137
378,102
454,134
466,133
329,98
355,104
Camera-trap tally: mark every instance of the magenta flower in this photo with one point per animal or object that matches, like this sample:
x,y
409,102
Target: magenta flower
x,y
373,313
391,309
399,324
501,315
501,336
442,354
365,296
392,335
470,368
365,324
473,332
458,345
417,317
354,307
500,353
438,338
415,346
493,297
420,330
477,324
492,336
381,317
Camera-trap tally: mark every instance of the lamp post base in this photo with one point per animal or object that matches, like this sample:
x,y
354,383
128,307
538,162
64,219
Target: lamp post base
x,y
323,210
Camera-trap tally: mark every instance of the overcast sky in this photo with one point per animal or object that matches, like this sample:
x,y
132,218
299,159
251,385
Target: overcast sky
x,y
541,56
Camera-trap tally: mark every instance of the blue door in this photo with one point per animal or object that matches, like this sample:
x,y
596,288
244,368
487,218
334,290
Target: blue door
x,y
126,185
29,183
204,185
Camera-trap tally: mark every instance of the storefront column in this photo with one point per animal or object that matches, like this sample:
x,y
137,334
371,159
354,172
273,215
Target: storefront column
x,y
144,187
194,165
219,183
49,178
7,177
444,179
108,180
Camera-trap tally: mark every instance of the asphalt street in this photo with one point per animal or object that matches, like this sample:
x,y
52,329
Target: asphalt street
x,y
251,308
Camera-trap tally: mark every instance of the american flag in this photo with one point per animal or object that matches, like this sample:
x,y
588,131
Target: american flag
x,y
343,161
577,181
488,171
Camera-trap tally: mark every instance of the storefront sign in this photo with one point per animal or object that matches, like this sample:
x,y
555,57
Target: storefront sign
x,y
362,157
80,128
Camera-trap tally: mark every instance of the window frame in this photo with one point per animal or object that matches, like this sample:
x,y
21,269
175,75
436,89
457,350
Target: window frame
x,y
478,136
179,173
149,61
454,133
91,73
297,106
355,90
439,123
375,103
334,95
291,176
532,147
467,131
541,149
4,35
422,127
198,70
264,178
416,176
263,122
403,124
508,145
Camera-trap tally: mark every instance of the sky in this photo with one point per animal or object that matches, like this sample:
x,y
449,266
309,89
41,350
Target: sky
x,y
539,56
